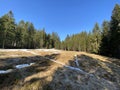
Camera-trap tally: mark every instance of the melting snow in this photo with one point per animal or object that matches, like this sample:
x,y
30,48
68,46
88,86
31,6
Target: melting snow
x,y
70,67
23,65
47,50
5,71
17,66
32,64
76,69
76,60
118,24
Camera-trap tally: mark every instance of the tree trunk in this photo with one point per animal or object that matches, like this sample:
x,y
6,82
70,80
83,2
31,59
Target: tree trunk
x,y
3,43
4,37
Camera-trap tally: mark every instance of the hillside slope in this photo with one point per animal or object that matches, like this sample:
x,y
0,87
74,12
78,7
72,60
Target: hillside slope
x,y
101,73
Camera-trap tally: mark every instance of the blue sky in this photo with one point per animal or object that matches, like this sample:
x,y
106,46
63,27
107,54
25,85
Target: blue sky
x,y
61,16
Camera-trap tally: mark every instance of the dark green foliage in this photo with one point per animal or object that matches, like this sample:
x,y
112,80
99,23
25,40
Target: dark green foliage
x,y
115,32
55,40
88,42
24,35
110,45
96,38
7,30
105,40
77,42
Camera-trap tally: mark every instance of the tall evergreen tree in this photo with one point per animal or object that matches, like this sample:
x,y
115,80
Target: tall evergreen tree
x,y
31,35
115,32
96,38
105,40
7,27
55,40
20,35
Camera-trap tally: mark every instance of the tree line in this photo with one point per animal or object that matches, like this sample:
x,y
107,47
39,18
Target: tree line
x,y
24,35
88,42
104,39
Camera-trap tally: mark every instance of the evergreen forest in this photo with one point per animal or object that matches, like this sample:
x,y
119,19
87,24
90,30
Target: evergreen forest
x,y
102,39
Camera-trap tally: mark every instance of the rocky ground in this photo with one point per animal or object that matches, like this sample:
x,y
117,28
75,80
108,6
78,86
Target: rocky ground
x,y
100,73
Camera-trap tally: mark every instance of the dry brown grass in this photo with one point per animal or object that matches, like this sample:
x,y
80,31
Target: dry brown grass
x,y
47,75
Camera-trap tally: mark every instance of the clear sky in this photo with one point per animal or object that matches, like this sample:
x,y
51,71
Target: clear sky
x,y
61,16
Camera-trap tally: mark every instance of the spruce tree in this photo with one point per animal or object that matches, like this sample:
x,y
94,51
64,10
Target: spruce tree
x,y
115,32
104,46
7,27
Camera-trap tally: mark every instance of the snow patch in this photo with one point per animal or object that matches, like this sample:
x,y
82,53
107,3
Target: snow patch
x,y
7,50
5,71
32,64
76,60
119,24
70,67
73,68
47,50
23,65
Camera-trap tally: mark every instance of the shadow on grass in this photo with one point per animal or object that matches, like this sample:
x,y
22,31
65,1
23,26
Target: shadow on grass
x,y
107,70
106,76
16,77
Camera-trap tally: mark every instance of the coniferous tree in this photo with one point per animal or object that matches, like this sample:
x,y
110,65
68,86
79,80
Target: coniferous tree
x,y
20,35
24,35
105,40
96,38
55,40
7,27
115,32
